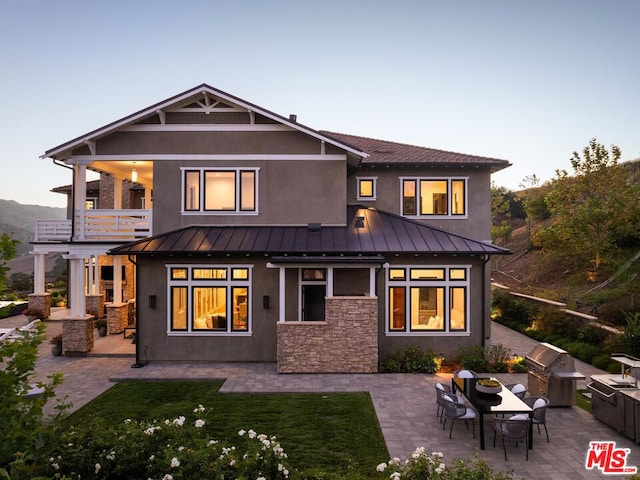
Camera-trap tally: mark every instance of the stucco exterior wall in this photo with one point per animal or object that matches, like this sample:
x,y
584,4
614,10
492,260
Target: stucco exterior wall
x,y
289,193
154,344
346,342
477,225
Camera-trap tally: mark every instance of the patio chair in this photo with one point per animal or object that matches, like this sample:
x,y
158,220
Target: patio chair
x,y
518,389
539,406
516,429
441,389
456,410
464,373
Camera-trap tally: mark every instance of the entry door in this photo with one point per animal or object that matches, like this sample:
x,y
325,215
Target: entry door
x,y
313,302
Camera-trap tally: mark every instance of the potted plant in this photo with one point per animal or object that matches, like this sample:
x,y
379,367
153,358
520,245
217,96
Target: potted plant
x,y
101,325
56,345
33,314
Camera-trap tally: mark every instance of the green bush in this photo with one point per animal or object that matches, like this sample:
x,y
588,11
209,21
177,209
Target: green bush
x,y
509,311
492,359
27,433
473,358
583,351
520,366
592,334
410,360
426,466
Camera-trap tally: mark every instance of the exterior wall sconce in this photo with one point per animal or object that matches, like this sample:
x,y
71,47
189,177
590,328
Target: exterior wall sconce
x,y
134,173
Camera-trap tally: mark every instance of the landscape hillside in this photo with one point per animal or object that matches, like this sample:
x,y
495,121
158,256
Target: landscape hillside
x,y
19,222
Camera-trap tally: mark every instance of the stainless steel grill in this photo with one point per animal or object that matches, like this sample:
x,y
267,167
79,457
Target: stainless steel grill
x,y
552,374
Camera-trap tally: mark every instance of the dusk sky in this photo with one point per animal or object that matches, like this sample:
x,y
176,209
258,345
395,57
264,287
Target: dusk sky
x,y
529,82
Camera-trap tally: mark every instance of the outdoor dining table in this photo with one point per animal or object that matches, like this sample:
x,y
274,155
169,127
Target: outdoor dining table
x,y
504,402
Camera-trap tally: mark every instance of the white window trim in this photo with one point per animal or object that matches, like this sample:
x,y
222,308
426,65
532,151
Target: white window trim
x,y
449,216
229,283
407,283
237,211
366,199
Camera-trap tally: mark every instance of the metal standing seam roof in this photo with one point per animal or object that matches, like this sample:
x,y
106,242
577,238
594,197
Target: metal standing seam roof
x,y
382,233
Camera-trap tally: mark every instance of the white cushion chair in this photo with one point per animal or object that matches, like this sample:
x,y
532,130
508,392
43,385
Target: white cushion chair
x,y
515,428
456,410
539,406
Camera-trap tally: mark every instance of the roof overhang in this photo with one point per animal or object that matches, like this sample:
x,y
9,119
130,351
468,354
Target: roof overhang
x,y
204,89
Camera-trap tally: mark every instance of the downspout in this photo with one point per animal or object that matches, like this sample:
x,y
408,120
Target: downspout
x,y
139,363
484,298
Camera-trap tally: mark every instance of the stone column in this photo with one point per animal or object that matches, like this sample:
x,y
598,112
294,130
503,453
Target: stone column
x,y
117,317
77,335
41,302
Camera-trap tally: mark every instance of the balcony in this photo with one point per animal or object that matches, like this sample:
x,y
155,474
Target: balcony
x,y
97,226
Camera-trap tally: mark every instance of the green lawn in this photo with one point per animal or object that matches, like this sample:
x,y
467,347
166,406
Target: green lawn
x,y
337,433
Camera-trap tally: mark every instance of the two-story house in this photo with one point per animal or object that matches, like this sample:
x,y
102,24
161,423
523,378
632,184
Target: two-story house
x,y
257,238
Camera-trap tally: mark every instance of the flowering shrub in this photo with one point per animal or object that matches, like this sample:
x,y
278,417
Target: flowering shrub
x,y
424,466
166,450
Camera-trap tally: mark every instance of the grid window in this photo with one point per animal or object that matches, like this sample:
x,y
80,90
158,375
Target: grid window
x,y
429,197
220,191
209,300
429,300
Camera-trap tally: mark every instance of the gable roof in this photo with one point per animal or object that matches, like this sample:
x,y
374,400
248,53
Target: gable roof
x,y
189,96
382,233
385,152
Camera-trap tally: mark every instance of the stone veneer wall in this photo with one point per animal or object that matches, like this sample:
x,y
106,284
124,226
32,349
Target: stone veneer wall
x,y
346,342
77,335
41,302
117,317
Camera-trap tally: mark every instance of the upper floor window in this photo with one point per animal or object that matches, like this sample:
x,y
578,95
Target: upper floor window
x,y
443,197
366,188
224,190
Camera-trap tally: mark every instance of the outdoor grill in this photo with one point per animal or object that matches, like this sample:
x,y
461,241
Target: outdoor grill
x,y
552,374
615,399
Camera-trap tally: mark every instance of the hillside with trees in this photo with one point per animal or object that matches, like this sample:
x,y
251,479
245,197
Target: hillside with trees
x,y
576,239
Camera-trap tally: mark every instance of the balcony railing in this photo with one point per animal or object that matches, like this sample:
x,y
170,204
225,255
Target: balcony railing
x,y
97,225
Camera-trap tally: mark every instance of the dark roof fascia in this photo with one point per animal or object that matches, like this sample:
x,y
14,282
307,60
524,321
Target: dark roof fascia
x,y
364,259
140,114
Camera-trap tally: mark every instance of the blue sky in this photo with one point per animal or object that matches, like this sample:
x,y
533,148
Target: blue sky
x,y
529,82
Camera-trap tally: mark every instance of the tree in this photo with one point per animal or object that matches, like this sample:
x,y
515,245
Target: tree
x,y
593,210
500,209
531,197
7,252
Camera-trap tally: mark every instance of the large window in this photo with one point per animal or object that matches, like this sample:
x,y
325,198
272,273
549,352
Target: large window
x,y
208,299
427,300
224,190
443,197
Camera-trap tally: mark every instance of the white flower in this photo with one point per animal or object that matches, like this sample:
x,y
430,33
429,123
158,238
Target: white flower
x,y
394,476
152,458
179,421
261,478
98,467
252,434
437,454
381,467
175,463
128,420
285,472
199,409
55,466
213,442
232,463
180,448
241,432
167,477
111,456
199,423
440,468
